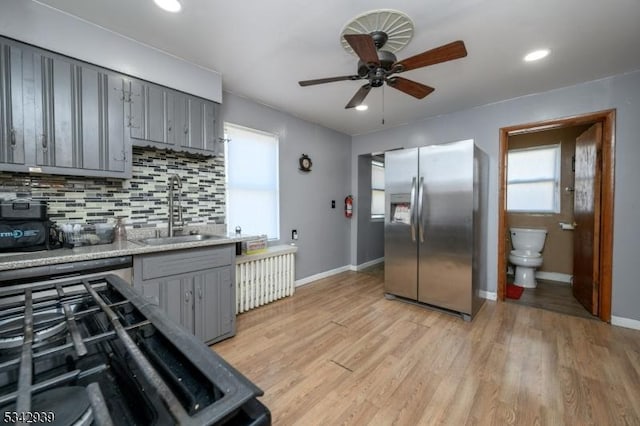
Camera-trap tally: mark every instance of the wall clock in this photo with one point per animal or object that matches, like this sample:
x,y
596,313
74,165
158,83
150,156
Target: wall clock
x,y
305,163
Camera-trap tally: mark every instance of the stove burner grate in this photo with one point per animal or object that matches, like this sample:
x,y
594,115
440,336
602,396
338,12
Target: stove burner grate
x,y
46,324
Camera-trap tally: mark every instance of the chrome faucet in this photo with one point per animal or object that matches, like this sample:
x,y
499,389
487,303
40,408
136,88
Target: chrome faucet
x,y
173,180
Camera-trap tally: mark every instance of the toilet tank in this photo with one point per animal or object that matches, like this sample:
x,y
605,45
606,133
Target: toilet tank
x,y
528,239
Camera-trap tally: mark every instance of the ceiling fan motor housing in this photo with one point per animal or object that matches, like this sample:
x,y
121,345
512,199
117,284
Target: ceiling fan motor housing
x,y
387,59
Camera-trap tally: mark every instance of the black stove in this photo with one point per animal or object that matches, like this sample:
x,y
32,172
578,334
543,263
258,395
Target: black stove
x,y
93,351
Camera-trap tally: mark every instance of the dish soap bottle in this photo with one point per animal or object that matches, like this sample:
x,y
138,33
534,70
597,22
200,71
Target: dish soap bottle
x,y
119,232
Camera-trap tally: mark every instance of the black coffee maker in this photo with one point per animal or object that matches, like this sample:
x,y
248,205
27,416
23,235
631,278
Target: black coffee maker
x,y
25,226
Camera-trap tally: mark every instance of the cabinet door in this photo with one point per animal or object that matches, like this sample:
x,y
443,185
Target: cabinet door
x,y
215,302
209,125
101,121
116,148
136,99
174,296
196,124
180,108
16,95
151,113
79,118
57,83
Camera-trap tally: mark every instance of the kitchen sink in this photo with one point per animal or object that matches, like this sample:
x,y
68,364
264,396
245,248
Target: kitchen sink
x,y
158,241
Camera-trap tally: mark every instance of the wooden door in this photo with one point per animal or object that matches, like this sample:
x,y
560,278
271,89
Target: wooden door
x,y
586,240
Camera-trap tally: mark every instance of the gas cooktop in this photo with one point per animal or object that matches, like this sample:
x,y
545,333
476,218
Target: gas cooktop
x,y
93,351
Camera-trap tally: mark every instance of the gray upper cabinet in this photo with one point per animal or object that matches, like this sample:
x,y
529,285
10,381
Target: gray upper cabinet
x,y
62,116
164,118
16,72
150,118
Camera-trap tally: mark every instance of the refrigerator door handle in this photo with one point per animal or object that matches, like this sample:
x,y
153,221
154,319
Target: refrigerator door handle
x,y
411,218
420,208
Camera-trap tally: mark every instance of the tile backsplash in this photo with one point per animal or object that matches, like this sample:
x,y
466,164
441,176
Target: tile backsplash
x,y
141,200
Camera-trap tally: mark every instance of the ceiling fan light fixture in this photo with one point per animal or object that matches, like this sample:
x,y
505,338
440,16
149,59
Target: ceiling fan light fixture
x,y
536,55
362,107
173,6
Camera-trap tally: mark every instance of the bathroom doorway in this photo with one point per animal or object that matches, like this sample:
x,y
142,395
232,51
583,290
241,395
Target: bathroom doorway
x,y
575,276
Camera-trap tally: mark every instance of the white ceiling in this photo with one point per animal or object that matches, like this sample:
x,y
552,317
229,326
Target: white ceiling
x,y
263,48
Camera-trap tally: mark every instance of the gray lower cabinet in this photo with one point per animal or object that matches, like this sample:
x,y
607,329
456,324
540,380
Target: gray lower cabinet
x,y
163,118
60,116
194,287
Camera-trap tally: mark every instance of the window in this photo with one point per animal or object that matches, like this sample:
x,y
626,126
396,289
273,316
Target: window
x,y
251,160
533,180
377,189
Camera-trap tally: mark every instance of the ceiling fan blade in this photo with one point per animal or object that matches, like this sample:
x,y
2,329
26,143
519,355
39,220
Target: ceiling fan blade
x,y
364,47
440,54
359,96
410,87
328,80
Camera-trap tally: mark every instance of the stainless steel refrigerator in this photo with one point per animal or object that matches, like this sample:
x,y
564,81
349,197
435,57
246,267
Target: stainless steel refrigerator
x,y
435,225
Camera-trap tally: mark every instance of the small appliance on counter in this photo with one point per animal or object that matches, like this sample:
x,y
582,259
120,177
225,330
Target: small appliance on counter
x,y
25,226
85,234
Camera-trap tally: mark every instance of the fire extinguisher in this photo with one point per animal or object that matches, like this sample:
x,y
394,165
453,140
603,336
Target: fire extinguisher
x,y
348,206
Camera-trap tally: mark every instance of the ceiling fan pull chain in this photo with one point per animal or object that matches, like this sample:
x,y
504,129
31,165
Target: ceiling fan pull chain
x,y
383,105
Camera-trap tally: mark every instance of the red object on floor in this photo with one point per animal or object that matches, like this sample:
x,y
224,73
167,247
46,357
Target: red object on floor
x,y
514,291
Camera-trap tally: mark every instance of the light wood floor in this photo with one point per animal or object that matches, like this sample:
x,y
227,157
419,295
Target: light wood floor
x,y
338,352
554,296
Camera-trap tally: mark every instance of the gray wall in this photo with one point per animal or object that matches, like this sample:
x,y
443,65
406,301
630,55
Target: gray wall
x,y
370,245
305,198
483,123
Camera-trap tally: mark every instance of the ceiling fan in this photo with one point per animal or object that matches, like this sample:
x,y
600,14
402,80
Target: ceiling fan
x,y
379,66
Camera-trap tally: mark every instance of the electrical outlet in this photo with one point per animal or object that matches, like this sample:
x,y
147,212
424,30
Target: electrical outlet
x,y
333,204
294,234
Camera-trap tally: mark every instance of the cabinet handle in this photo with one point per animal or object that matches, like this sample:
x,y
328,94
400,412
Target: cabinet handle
x,y
186,130
13,138
200,293
186,297
45,145
123,156
130,124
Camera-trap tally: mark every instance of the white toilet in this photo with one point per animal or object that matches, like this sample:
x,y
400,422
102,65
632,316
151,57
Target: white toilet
x,y
527,245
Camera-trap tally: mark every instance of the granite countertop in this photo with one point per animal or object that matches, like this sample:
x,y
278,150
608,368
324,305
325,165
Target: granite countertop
x,y
124,248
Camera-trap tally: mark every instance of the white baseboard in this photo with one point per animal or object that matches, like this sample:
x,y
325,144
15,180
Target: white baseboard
x,y
325,274
554,276
625,322
489,295
366,265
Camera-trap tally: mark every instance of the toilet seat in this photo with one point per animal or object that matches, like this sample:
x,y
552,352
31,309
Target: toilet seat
x,y
525,254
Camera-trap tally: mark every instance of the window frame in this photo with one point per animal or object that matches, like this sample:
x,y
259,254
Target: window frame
x,y
376,217
276,174
556,180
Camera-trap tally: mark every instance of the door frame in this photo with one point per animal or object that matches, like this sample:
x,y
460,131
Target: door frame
x,y
607,118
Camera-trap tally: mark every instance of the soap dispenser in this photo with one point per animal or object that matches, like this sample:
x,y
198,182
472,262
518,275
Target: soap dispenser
x,y
120,231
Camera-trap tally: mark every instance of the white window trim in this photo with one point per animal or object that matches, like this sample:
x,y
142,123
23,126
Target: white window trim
x,y
277,173
376,217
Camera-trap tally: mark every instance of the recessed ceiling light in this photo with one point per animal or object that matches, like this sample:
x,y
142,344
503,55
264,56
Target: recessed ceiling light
x,y
362,107
169,5
536,55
